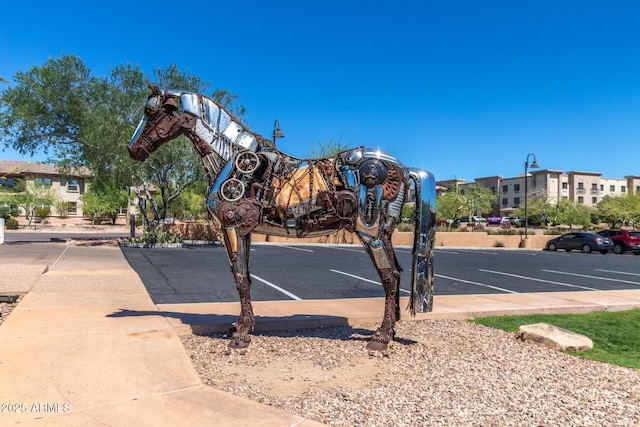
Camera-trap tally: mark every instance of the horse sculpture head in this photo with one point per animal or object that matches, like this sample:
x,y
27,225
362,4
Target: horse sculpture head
x,y
160,123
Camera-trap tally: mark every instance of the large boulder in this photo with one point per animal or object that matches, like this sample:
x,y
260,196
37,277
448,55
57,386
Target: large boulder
x,y
554,337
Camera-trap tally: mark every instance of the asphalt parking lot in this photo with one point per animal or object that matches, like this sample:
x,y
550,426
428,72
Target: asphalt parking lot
x,y
299,272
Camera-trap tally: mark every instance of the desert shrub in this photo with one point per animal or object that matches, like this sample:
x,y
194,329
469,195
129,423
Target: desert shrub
x,y
404,226
11,223
155,234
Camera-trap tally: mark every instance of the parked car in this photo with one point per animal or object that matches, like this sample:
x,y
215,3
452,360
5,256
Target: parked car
x,y
494,220
582,240
623,240
517,221
465,221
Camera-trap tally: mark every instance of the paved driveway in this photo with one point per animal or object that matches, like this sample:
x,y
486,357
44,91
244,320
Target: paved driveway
x,y
298,272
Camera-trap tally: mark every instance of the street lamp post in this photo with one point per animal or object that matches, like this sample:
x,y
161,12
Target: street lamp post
x,y
277,133
534,164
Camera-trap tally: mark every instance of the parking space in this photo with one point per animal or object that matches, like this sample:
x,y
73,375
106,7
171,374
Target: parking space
x,y
298,272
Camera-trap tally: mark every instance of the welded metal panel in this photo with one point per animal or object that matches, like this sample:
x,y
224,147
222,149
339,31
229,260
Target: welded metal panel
x,y
190,103
211,111
232,131
223,121
381,155
248,141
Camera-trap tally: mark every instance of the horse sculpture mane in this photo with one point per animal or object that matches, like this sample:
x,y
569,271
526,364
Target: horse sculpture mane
x,y
256,188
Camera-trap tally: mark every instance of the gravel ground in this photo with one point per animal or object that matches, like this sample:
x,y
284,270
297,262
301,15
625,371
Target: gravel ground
x,y
5,308
438,373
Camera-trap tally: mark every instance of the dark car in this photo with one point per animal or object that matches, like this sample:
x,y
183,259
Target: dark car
x,y
623,240
582,240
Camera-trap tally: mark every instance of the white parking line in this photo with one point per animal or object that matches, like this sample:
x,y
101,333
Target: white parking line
x,y
276,287
539,280
477,284
294,248
616,272
478,251
364,279
593,277
340,248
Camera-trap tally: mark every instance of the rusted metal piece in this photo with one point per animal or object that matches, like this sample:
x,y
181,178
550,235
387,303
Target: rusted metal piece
x,y
255,188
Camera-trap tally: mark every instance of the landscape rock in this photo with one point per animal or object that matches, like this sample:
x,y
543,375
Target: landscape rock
x,y
554,337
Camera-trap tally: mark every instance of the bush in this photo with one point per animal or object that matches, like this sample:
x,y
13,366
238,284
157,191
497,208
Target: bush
x,y
498,244
7,212
43,213
504,232
403,226
11,224
154,234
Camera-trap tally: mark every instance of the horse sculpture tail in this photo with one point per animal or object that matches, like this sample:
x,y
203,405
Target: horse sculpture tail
x,y
422,285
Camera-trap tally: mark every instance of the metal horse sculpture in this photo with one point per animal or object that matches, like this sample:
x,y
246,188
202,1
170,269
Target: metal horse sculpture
x,y
255,188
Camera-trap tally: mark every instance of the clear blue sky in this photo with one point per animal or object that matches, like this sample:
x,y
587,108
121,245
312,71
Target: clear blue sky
x,y
465,89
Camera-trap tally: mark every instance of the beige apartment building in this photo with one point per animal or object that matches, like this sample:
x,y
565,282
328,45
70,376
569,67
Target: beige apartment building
x,y
586,188
67,188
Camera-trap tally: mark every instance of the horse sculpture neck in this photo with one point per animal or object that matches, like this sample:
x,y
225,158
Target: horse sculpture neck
x,y
216,134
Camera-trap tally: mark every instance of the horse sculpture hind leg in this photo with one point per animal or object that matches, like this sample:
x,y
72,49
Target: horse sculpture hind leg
x,y
383,257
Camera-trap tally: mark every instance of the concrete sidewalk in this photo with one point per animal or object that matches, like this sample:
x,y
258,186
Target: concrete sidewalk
x,y
87,346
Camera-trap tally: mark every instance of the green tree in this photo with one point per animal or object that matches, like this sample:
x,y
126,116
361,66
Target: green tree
x,y
537,206
451,205
104,203
85,121
29,196
191,203
571,213
620,210
479,199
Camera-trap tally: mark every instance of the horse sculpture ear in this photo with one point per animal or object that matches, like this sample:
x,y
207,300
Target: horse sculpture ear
x,y
154,87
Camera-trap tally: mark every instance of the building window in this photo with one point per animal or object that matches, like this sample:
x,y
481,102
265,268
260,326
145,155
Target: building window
x,y
565,186
7,183
612,188
594,200
516,201
581,186
594,187
72,186
623,189
581,200
601,187
43,182
72,208
505,201
516,187
505,188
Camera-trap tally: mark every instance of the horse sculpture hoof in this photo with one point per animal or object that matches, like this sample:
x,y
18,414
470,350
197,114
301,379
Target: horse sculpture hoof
x,y
239,342
379,342
377,346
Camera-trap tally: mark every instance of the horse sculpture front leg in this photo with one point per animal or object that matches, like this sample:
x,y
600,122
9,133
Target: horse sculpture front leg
x,y
238,249
383,256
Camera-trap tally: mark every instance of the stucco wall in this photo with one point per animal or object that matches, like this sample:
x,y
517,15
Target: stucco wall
x,y
479,239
